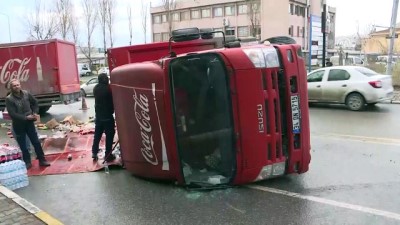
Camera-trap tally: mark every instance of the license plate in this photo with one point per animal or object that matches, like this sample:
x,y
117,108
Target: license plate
x,y
294,99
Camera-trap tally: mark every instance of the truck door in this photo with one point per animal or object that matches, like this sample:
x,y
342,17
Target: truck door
x,y
203,119
314,81
336,85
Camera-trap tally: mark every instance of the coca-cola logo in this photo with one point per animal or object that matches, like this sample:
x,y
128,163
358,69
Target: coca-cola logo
x,y
15,69
143,118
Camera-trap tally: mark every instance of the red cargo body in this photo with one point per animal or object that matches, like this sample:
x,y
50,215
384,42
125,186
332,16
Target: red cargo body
x,y
259,129
154,51
47,68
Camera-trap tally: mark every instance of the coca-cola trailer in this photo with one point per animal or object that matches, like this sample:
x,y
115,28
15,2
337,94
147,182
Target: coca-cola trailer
x,y
215,117
47,68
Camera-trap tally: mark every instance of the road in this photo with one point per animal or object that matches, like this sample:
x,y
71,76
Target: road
x,y
353,179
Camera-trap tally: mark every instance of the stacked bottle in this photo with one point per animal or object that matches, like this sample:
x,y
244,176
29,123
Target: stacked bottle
x,y
13,173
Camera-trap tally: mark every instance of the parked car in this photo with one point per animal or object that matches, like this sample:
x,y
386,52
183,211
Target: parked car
x,y
87,88
104,70
354,86
350,61
84,70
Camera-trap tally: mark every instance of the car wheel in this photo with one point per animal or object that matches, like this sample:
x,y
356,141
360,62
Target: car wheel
x,y
87,74
355,102
83,93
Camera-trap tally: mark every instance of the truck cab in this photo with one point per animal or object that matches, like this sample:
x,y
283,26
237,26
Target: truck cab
x,y
216,117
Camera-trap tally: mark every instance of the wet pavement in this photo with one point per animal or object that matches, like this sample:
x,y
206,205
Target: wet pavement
x,y
353,179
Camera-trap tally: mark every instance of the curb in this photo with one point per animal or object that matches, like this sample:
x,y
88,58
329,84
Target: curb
x,y
38,213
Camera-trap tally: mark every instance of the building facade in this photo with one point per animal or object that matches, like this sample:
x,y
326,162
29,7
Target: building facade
x,y
244,19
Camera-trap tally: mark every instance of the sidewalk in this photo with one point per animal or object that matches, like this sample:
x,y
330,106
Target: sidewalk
x,y
16,210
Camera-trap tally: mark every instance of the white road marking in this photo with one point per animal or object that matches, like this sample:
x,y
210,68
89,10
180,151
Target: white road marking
x,y
374,140
363,209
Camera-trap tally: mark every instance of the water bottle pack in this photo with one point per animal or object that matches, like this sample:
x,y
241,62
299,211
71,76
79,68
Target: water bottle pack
x,y
13,173
9,153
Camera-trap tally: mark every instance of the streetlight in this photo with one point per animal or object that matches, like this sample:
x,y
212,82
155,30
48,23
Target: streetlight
x,y
9,29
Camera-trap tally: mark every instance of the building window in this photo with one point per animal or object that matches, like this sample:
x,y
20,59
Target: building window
x,y
175,17
298,31
303,32
185,15
165,36
303,11
164,18
229,10
205,13
243,32
156,37
230,31
297,10
291,9
218,34
156,19
218,12
242,9
291,31
195,14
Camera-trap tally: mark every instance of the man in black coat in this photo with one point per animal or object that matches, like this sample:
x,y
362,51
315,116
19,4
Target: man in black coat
x,y
105,123
23,108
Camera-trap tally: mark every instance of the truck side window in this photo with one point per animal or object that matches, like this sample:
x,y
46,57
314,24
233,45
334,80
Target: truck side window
x,y
316,76
338,75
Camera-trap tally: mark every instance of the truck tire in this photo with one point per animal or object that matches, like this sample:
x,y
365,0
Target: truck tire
x,y
44,109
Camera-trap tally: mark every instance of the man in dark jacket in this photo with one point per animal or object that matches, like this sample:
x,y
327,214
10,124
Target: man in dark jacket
x,y
105,123
22,108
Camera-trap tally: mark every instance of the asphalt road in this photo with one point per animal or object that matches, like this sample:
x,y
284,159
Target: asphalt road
x,y
353,179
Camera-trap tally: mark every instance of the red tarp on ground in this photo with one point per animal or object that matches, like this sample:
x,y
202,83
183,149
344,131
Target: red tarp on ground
x,y
80,148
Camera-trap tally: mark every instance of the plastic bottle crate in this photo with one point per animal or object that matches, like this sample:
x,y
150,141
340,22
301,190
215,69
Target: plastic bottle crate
x,y
13,174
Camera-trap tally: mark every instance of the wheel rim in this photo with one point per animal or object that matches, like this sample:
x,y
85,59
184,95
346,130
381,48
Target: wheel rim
x,y
355,102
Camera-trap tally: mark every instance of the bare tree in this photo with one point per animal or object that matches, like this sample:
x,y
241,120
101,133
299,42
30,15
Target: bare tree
x,y
90,15
253,12
110,19
74,28
169,6
103,5
130,24
144,13
64,10
42,23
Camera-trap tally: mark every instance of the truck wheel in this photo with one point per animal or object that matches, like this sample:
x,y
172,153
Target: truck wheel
x,y
355,101
44,109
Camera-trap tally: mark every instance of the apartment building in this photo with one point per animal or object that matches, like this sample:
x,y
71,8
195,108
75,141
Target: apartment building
x,y
244,19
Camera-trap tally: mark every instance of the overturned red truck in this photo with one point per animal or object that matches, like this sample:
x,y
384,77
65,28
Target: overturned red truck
x,y
211,116
47,68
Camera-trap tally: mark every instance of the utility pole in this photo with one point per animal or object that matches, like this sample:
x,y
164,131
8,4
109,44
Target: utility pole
x,y
392,36
324,30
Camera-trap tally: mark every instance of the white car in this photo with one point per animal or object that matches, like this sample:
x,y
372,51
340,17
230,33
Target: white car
x,y
354,86
87,88
105,70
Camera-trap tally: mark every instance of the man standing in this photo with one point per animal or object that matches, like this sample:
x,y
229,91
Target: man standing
x,y
22,108
105,123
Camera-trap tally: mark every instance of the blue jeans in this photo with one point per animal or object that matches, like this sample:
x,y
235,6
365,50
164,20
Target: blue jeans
x,y
107,127
22,130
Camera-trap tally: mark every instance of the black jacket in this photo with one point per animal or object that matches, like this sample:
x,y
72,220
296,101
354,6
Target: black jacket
x,y
104,106
19,107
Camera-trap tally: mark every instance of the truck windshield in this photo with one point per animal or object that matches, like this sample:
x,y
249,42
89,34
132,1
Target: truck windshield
x,y
203,119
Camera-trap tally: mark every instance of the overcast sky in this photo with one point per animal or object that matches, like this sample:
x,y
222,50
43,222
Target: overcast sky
x,y
350,15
